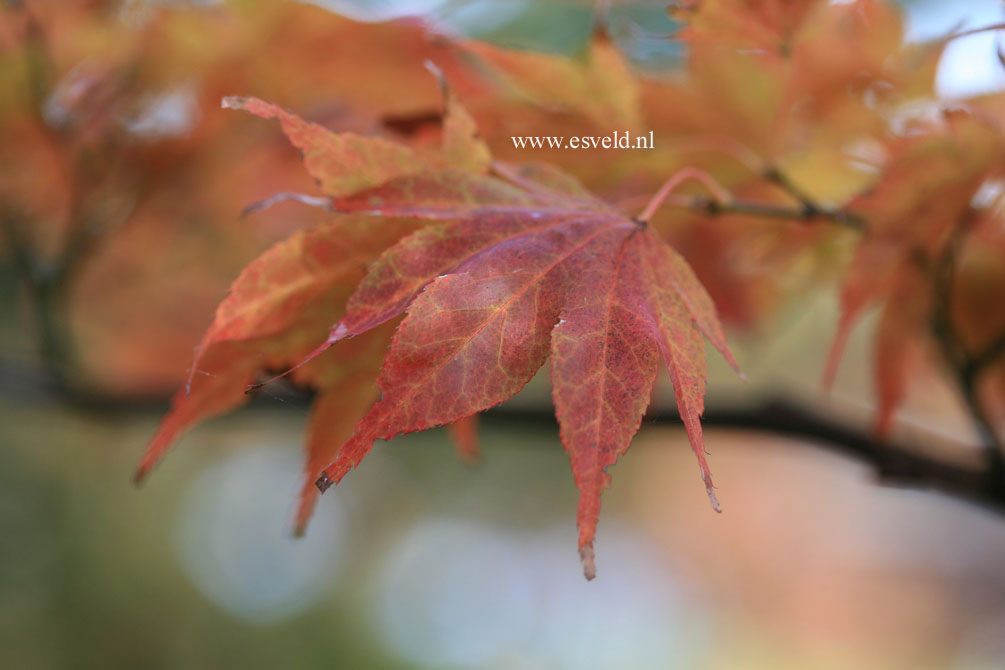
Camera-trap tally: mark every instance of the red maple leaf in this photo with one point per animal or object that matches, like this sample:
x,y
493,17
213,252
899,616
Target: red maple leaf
x,y
508,270
496,289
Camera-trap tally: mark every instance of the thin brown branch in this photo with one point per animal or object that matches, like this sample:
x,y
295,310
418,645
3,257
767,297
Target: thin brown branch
x,y
44,287
895,464
974,31
751,208
810,207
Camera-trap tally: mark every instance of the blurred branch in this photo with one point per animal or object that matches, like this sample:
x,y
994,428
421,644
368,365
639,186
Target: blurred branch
x,y
751,208
48,277
965,368
894,464
45,285
975,31
808,209
811,209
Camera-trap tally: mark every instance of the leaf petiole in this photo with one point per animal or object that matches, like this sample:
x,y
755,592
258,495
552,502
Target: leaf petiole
x,y
721,194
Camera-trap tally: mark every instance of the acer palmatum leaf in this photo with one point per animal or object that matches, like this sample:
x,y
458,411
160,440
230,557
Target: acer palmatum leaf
x,y
500,274
492,294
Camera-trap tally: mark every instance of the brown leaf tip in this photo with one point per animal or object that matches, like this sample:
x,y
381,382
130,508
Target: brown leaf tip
x,y
712,499
323,482
589,564
140,475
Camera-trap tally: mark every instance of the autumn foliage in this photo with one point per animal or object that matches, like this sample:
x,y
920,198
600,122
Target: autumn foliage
x,y
435,268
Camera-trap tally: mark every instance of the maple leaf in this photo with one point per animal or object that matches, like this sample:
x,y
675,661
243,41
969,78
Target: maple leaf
x,y
496,289
493,284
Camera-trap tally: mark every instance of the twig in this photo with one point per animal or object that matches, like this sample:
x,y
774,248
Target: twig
x,y
811,208
723,202
45,288
896,464
735,206
974,31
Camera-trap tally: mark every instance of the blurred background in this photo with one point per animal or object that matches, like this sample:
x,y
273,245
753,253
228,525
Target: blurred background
x,y
121,185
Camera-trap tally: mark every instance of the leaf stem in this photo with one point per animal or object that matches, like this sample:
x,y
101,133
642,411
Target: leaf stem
x,y
721,194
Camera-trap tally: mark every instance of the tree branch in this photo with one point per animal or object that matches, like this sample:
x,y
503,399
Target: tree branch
x,y
44,286
974,31
811,209
894,464
804,214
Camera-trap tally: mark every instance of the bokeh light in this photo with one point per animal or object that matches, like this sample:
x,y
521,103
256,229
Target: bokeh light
x,y
234,537
454,593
